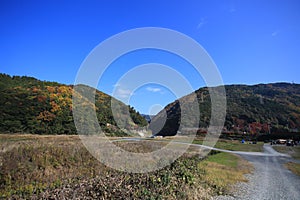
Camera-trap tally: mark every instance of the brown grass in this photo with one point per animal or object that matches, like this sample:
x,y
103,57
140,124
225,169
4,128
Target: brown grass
x,y
234,145
40,166
293,151
223,170
294,167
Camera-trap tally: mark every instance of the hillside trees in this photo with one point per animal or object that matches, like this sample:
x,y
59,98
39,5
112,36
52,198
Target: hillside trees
x,y
28,105
263,108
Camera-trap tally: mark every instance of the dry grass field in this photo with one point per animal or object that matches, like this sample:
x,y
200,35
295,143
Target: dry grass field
x,y
34,167
294,152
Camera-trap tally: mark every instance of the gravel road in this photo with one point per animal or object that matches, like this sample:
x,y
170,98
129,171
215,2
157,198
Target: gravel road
x,y
270,179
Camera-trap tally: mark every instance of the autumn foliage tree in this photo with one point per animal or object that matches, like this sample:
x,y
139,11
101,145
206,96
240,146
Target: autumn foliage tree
x,y
28,105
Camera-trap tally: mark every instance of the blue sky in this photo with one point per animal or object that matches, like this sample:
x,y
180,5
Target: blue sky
x,y
251,41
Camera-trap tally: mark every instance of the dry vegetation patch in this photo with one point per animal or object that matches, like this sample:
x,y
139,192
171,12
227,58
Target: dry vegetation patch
x,y
57,167
294,167
233,145
223,170
293,151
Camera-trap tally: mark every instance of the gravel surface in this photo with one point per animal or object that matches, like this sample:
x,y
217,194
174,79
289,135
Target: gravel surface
x,y
270,179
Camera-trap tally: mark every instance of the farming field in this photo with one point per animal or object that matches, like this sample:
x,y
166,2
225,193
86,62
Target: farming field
x,y
34,167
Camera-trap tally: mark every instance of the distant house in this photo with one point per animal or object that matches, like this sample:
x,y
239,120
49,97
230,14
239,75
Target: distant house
x,y
281,141
157,136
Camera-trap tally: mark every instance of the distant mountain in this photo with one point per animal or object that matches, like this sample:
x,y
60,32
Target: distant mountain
x,y
263,108
28,105
148,117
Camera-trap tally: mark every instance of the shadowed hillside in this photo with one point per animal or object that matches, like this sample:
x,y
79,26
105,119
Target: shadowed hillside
x,y
263,108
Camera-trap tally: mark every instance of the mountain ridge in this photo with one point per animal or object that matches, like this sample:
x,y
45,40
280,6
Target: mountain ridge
x,y
28,105
255,109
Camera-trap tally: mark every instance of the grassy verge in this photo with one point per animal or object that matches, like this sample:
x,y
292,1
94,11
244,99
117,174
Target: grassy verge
x,y
45,167
223,170
294,167
293,151
235,145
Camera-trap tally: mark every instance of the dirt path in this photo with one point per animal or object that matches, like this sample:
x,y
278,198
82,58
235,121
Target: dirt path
x,y
270,179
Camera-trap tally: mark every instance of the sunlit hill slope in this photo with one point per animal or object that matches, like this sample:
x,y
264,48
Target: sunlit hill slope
x,y
28,105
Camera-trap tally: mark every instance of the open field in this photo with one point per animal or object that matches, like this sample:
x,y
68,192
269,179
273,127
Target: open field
x,y
293,151
235,145
294,167
224,170
60,167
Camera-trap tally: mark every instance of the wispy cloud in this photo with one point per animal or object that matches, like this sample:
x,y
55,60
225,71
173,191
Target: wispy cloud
x,y
232,10
123,93
275,33
202,22
153,89
116,85
232,7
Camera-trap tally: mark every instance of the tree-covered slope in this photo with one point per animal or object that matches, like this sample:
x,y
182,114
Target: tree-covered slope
x,y
263,108
28,105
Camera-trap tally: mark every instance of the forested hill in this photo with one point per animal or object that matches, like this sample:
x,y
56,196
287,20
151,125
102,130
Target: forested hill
x,y
263,108
28,105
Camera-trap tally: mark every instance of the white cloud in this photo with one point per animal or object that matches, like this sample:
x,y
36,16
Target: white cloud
x,y
202,22
152,89
123,93
120,92
231,7
232,10
275,33
116,85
